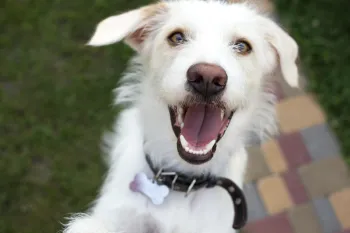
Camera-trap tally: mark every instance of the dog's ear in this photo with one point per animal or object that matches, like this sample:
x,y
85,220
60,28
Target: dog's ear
x,y
286,49
133,26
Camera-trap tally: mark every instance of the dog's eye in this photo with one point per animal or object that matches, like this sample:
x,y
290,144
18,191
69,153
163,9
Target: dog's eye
x,y
242,47
176,38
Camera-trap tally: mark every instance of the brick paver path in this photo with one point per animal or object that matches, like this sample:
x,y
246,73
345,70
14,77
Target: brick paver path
x,y
297,182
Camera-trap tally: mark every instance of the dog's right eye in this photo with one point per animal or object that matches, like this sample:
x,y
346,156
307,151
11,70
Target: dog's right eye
x,y
176,38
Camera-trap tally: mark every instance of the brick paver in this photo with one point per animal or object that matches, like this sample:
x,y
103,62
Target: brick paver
x,y
295,187
272,224
274,194
304,220
294,149
256,165
325,176
341,205
256,208
326,215
298,113
274,157
320,141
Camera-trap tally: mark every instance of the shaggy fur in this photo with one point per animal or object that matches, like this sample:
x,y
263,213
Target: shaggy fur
x,y
156,80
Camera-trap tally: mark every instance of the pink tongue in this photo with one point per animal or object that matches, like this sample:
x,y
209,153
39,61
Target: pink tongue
x,y
201,125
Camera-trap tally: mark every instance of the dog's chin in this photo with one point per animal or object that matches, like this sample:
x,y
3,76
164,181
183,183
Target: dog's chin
x,y
198,128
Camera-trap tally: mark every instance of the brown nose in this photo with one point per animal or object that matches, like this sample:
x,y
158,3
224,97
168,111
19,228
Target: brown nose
x,y
207,79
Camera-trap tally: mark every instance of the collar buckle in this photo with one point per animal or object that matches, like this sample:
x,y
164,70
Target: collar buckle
x,y
161,175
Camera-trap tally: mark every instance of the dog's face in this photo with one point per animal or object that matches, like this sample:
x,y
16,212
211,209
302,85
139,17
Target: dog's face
x,y
207,61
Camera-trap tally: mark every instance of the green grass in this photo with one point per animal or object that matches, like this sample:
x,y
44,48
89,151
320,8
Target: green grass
x,y
55,103
55,96
322,30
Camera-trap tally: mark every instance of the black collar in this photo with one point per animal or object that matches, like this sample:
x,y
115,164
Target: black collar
x,y
184,183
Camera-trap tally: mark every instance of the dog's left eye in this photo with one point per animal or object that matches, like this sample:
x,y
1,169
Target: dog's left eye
x,y
242,47
177,38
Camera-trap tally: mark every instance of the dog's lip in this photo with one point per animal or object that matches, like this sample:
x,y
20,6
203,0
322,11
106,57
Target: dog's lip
x,y
189,157
192,158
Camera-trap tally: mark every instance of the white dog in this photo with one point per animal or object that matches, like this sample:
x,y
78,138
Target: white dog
x,y
194,93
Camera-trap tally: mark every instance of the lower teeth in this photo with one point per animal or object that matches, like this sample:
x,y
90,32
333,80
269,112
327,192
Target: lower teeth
x,y
204,151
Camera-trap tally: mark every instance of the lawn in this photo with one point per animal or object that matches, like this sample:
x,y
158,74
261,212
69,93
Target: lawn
x,y
56,98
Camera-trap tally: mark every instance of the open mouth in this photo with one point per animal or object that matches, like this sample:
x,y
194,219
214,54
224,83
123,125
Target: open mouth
x,y
198,128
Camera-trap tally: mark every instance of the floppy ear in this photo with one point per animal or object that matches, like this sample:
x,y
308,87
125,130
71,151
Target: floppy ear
x,y
133,26
286,49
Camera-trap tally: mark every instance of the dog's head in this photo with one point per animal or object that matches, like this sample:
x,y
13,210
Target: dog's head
x,y
207,61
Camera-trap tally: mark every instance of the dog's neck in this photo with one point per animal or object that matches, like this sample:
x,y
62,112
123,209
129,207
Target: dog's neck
x,y
182,182
179,181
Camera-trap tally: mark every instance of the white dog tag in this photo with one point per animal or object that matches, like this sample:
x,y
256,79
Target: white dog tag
x,y
156,193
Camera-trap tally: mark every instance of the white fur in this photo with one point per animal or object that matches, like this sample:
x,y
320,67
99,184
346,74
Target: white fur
x,y
155,80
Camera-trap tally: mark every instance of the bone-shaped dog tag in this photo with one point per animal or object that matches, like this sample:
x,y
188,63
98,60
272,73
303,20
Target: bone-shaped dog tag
x,y
156,193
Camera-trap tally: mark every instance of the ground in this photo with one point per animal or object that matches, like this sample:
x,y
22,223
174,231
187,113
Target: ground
x,y
56,98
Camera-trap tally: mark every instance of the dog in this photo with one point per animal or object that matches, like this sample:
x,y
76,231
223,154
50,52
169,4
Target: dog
x,y
193,96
